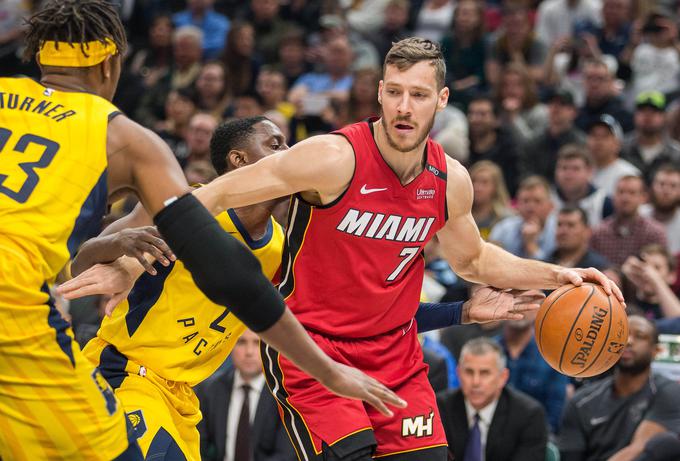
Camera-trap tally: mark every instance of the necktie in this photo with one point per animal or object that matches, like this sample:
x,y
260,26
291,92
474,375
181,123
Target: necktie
x,y
242,451
473,449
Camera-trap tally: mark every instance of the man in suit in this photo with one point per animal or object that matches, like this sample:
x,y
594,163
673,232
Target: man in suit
x,y
486,421
235,428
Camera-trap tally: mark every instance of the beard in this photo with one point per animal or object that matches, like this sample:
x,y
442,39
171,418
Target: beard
x,y
393,143
664,208
635,367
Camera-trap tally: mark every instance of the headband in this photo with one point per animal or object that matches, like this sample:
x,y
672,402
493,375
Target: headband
x,y
64,54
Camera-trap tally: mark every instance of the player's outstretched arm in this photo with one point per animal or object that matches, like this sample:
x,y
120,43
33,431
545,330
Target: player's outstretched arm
x,y
132,235
488,264
487,304
321,165
222,268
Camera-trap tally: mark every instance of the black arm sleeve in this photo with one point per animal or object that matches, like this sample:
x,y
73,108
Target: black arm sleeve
x,y
224,269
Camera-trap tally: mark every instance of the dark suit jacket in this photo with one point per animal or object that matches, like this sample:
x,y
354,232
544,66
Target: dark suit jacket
x,y
269,438
518,430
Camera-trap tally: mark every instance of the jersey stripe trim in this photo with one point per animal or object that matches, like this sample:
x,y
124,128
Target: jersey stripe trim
x,y
301,217
56,321
89,220
112,365
144,295
252,244
293,422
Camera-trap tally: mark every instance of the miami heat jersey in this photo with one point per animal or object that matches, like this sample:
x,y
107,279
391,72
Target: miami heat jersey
x,y
354,268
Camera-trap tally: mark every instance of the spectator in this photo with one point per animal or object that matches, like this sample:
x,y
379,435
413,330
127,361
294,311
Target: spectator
x,y
199,172
664,206
240,416
239,60
186,65
572,239
655,63
302,13
180,107
517,96
200,13
363,97
625,233
614,417
198,136
566,61
213,96
601,97
530,234
540,152
490,141
604,144
491,199
464,51
248,105
333,27
516,43
270,28
187,43
152,63
291,62
573,175
434,19
652,273
485,419
394,28
531,374
649,145
12,15
555,19
271,86
366,18
613,36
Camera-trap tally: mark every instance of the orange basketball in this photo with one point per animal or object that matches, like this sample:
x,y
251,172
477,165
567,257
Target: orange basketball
x,y
580,331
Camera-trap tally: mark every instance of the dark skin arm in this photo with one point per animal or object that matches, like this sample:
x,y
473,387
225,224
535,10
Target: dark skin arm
x,y
140,162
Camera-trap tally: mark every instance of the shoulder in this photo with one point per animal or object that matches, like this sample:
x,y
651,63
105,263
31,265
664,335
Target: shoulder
x,y
666,385
519,400
591,393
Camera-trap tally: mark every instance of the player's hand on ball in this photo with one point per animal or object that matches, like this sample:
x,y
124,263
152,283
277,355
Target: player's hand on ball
x,y
135,242
114,280
489,304
352,383
578,276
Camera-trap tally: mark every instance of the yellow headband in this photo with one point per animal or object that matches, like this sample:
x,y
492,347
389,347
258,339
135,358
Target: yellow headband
x,y
67,55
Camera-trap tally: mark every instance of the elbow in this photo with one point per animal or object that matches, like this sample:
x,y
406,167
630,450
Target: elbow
x,y
469,269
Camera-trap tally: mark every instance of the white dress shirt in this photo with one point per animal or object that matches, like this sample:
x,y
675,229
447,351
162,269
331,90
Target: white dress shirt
x,y
485,417
235,406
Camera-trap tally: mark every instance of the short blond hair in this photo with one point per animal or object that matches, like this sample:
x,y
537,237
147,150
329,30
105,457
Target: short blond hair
x,y
410,51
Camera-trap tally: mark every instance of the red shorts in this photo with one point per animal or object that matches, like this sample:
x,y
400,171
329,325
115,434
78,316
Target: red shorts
x,y
316,418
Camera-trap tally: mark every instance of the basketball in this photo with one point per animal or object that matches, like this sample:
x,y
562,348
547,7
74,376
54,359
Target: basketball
x,y
580,331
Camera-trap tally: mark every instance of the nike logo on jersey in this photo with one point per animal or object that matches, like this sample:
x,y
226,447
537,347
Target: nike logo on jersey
x,y
598,421
365,191
385,227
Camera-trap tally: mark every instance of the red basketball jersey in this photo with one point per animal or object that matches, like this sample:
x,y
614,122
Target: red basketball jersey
x,y
354,268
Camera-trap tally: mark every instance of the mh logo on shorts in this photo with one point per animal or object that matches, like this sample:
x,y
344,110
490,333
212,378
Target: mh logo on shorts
x,y
417,427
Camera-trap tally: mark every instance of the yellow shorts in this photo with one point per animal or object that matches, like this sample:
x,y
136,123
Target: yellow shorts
x,y
53,403
163,413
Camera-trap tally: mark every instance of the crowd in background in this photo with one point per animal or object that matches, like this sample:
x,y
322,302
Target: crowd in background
x,y
566,112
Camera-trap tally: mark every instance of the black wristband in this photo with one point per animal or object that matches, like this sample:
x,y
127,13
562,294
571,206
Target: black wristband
x,y
224,269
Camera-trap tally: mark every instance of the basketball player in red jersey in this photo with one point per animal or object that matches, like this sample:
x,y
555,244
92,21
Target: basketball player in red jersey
x,y
368,199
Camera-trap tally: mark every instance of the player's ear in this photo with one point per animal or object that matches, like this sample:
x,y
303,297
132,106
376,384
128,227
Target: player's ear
x,y
107,68
237,158
380,88
443,98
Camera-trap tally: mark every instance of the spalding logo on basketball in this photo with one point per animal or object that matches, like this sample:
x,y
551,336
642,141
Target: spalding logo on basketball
x,y
580,331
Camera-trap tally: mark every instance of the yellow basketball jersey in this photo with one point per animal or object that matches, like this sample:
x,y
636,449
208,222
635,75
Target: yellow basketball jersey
x,y
53,163
168,325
